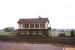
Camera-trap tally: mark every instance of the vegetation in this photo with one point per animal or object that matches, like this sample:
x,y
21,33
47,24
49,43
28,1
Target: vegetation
x,y
9,29
72,33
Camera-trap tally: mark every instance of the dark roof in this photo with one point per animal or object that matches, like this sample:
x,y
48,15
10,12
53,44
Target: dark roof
x,y
34,20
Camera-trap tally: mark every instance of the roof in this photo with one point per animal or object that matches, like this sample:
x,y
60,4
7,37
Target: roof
x,y
34,20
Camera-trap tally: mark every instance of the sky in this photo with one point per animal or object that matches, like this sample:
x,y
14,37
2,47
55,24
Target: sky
x,y
61,13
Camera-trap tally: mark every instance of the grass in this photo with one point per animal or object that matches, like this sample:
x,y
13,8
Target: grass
x,y
4,33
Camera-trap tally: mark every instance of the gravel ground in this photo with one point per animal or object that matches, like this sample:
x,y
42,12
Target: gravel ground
x,y
25,46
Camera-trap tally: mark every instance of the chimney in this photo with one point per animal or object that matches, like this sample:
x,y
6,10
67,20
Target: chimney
x,y
39,17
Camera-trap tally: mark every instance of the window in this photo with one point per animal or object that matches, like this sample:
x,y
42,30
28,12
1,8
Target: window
x,y
22,32
40,32
34,33
27,32
19,25
36,25
26,25
31,25
42,25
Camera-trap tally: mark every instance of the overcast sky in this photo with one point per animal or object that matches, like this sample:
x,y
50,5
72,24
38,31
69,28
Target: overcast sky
x,y
61,13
